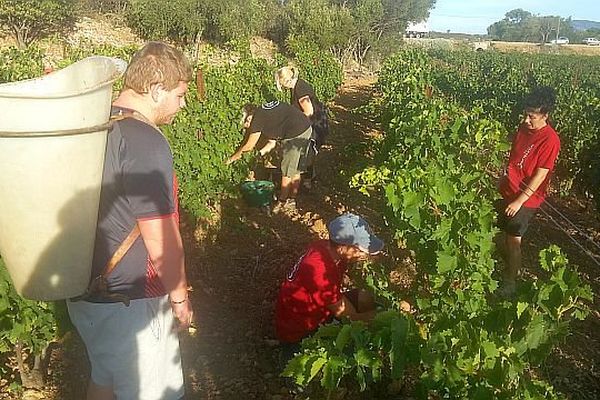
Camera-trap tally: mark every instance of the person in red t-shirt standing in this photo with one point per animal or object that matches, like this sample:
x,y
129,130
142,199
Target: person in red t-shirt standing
x,y
312,291
523,187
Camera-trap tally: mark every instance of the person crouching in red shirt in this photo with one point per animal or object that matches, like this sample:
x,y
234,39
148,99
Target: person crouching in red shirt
x,y
523,188
312,295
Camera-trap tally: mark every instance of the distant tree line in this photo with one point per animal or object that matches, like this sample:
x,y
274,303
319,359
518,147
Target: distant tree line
x,y
349,29
519,25
346,28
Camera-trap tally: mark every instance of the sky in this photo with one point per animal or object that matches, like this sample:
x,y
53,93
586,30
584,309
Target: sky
x,y
472,16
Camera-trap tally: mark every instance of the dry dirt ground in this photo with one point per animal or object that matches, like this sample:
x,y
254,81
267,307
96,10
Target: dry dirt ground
x,y
236,265
235,268
506,47
536,48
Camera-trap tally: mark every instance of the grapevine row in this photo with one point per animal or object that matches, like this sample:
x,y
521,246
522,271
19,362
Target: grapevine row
x,y
434,166
201,137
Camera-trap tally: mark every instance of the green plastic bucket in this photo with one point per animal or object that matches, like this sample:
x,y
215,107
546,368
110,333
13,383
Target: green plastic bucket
x,y
258,193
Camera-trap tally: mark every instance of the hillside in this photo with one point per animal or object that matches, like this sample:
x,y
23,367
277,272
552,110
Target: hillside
x,y
583,25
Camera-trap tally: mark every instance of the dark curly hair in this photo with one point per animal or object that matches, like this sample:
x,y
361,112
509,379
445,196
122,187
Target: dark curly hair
x,y
541,99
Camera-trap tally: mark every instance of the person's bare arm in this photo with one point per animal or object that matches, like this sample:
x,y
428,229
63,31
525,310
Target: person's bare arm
x,y
165,247
345,308
248,145
538,177
306,106
270,145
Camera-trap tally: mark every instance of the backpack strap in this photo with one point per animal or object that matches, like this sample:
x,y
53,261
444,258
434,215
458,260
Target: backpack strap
x,y
98,287
121,251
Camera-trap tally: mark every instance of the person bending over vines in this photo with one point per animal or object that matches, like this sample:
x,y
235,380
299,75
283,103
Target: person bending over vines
x,y
311,294
278,122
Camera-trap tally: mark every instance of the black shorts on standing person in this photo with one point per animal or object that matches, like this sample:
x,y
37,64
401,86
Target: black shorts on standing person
x,y
516,225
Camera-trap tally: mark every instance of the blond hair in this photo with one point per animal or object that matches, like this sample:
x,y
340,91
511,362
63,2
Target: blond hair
x,y
285,75
157,63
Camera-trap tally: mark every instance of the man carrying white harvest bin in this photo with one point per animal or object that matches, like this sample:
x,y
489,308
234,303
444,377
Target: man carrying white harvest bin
x,y
138,297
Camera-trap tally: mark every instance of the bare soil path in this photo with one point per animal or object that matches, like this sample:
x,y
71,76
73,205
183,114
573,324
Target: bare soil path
x,y
236,266
238,270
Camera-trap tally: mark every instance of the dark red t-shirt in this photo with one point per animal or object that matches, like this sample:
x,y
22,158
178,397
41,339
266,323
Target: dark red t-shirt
x,y
311,285
530,150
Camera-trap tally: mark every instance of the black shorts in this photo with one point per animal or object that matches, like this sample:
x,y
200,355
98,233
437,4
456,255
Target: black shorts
x,y
516,225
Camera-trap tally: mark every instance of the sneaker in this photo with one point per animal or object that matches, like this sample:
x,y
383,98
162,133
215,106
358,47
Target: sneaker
x,y
278,207
288,205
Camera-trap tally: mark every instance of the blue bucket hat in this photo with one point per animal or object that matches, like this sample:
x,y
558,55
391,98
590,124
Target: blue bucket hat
x,y
352,230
